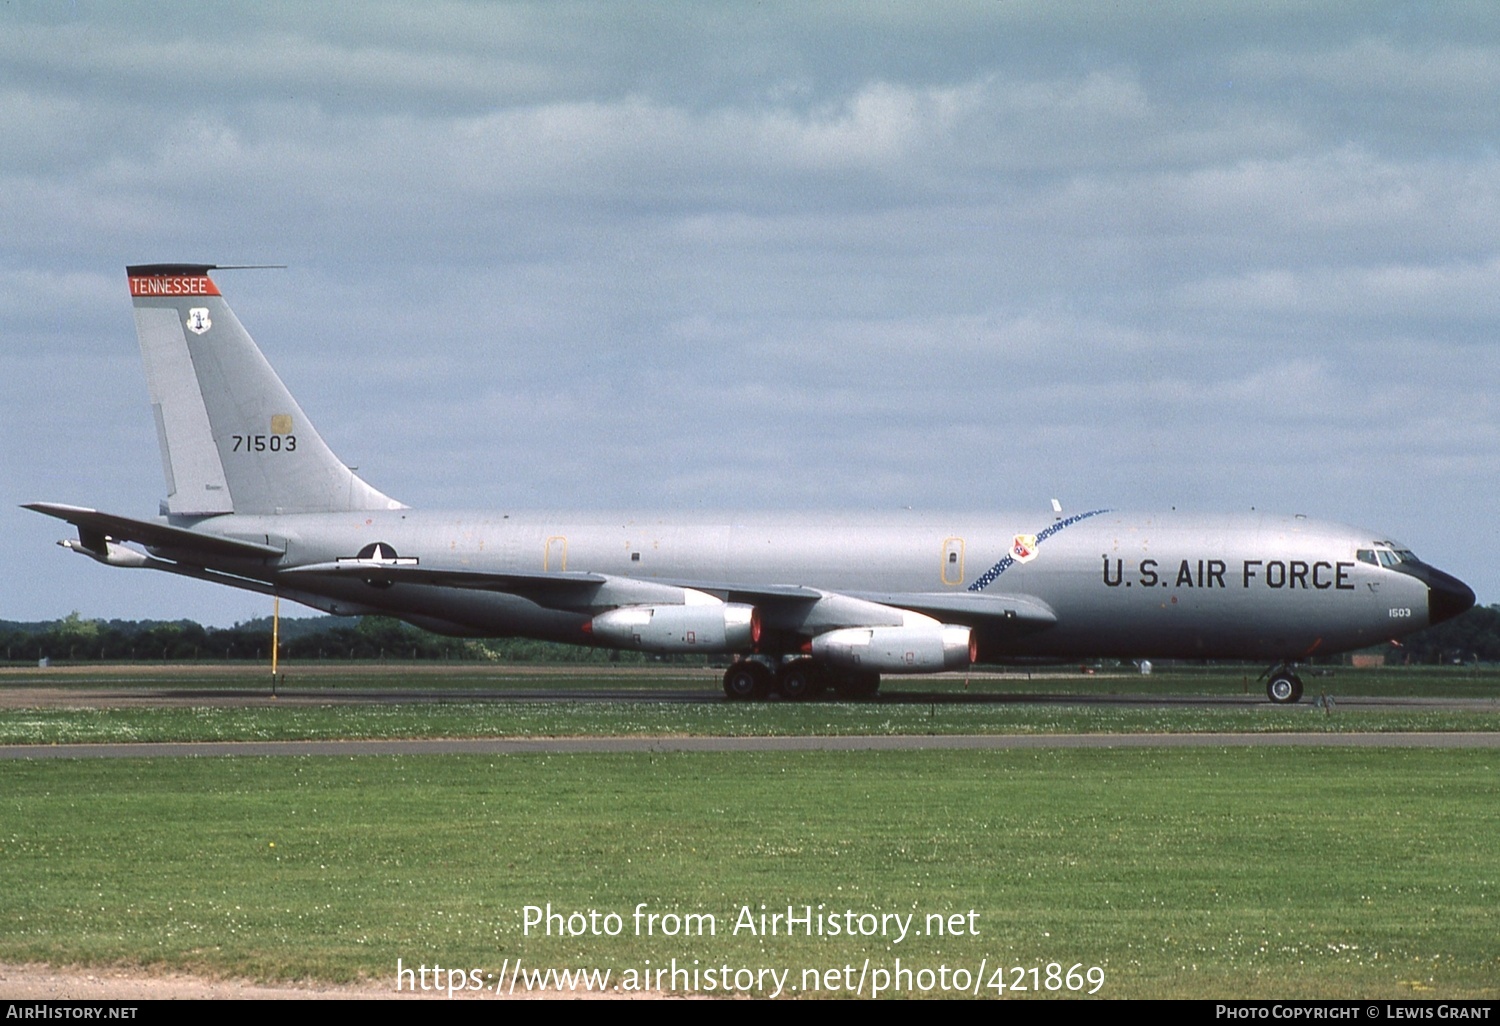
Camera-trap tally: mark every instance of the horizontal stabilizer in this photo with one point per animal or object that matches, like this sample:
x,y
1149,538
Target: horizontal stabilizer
x,y
156,535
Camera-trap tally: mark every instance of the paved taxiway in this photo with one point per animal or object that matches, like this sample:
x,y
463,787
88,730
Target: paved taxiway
x,y
902,742
107,697
127,693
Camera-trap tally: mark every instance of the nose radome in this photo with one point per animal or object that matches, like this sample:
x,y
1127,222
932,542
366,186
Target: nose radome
x,y
1447,596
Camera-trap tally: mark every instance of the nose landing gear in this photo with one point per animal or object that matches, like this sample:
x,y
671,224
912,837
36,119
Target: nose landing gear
x,y
1284,686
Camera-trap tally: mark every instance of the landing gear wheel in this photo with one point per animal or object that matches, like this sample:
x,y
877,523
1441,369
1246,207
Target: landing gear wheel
x,y
1284,688
746,682
857,685
798,680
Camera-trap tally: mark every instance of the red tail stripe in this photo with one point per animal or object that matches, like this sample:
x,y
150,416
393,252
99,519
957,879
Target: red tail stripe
x,y
173,285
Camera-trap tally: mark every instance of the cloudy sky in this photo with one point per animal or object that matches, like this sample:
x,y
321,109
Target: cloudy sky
x,y
804,255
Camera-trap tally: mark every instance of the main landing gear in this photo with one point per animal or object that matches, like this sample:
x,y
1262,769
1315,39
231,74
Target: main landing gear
x,y
1284,687
747,681
796,680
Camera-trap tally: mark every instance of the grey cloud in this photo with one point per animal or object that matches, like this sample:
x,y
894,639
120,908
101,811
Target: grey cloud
x,y
854,257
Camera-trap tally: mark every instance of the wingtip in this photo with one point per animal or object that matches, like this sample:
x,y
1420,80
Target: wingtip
x,y
56,509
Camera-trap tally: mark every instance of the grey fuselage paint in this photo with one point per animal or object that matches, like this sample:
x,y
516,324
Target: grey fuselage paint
x,y
1176,585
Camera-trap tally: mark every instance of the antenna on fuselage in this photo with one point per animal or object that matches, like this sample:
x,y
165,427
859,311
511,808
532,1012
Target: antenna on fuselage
x,y
1057,508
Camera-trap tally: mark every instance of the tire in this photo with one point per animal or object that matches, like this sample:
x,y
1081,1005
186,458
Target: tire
x,y
745,682
1284,688
798,680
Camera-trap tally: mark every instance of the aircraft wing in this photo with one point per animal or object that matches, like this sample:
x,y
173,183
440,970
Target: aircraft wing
x,y
751,593
795,607
813,609
523,582
1023,614
94,528
514,581
562,589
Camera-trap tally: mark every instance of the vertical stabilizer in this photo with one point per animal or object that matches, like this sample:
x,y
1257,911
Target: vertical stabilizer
x,y
233,440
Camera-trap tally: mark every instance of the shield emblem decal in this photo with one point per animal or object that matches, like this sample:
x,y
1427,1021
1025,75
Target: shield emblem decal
x,y
197,320
1023,549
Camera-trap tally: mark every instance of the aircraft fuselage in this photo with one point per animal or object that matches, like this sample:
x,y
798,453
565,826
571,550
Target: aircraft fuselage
x,y
1173,585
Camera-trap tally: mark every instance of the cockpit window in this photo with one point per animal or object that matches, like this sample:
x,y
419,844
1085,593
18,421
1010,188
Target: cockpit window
x,y
1386,554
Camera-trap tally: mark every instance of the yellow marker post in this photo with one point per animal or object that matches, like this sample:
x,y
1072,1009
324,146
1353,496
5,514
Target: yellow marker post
x,y
275,638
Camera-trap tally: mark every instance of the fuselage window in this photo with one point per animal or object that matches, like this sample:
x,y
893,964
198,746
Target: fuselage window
x,y
1367,556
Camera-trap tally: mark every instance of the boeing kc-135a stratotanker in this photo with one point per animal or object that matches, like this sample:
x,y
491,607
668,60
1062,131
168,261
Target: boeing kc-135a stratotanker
x,y
799,602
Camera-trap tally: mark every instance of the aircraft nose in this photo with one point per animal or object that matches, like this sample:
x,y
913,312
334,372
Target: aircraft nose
x,y
1447,596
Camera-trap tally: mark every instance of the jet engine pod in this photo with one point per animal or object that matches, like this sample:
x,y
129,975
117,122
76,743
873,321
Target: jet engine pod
x,y
720,627
113,555
920,648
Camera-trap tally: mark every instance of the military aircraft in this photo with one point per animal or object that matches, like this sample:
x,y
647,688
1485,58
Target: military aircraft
x,y
801,603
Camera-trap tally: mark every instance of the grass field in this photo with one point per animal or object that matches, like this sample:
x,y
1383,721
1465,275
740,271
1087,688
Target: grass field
x,y
1180,873
1193,873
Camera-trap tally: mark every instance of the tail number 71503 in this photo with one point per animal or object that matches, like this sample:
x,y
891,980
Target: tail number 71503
x,y
264,443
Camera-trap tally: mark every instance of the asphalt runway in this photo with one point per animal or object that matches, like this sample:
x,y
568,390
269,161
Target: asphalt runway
x,y
127,693
889,743
131,696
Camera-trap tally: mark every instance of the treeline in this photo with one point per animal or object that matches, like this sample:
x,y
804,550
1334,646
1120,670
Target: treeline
x,y
1474,636
1471,637
75,639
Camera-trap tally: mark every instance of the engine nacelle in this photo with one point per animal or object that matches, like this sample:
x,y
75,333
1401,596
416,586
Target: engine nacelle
x,y
113,555
920,648
719,627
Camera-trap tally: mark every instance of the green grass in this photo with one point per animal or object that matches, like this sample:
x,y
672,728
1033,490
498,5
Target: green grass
x,y
1194,873
1184,873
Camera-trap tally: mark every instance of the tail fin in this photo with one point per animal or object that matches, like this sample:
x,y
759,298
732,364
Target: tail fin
x,y
233,440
